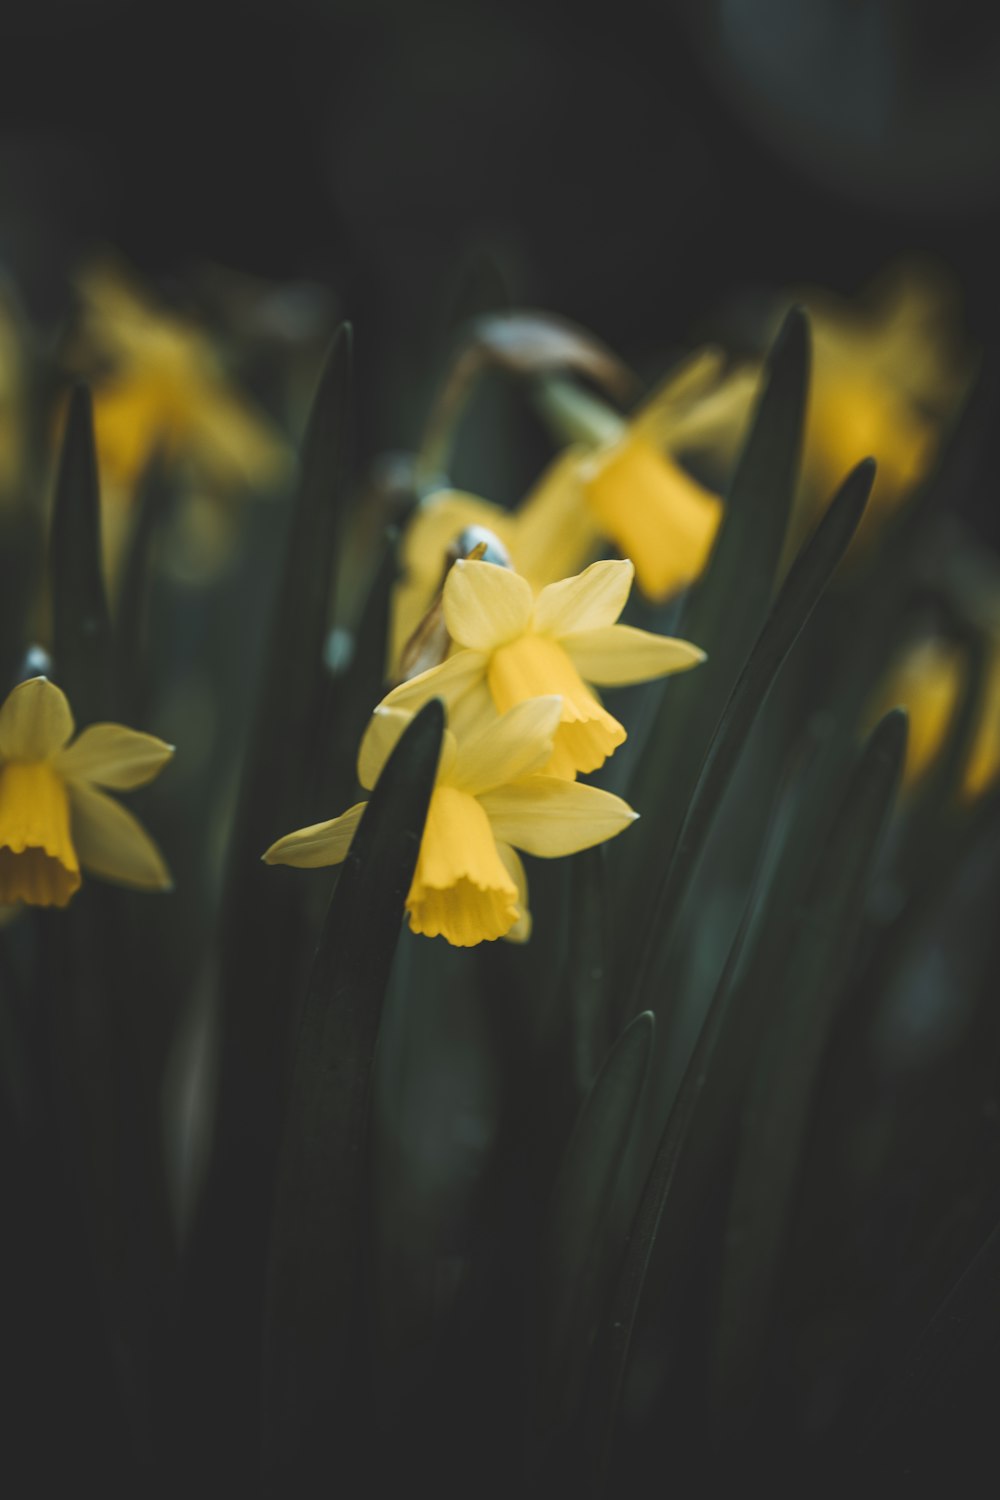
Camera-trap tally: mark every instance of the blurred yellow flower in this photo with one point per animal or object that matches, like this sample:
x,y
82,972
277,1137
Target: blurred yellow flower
x,y
515,646
927,680
166,392
54,817
469,885
620,483
887,376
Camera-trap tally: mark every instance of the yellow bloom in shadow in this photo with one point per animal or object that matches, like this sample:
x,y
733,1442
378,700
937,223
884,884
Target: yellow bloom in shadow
x,y
515,646
166,392
927,680
489,800
887,375
55,819
623,484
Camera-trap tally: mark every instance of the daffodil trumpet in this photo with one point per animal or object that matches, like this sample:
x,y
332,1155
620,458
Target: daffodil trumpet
x,y
490,799
56,818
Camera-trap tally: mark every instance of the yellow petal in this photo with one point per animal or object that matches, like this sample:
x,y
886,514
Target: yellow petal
x,y
594,598
553,529
620,654
113,756
112,843
515,744
449,681
461,890
319,844
485,605
35,721
385,727
548,816
521,930
537,666
690,380
655,513
38,862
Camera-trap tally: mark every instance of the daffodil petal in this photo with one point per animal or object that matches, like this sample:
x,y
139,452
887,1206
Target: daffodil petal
x,y
448,682
620,654
548,816
35,721
554,532
590,601
111,755
111,842
690,380
385,727
513,745
319,844
485,605
521,930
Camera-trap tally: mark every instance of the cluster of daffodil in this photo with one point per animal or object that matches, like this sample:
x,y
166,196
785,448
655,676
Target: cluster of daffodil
x,y
523,721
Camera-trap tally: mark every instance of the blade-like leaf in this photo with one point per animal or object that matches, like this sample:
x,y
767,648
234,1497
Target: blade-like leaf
x,y
723,613
575,1253
589,980
806,580
776,1112
318,1210
81,626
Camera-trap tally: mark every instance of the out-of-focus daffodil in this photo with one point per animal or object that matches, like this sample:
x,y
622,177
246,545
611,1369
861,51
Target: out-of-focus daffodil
x,y
887,376
620,481
165,391
515,646
489,800
927,680
54,816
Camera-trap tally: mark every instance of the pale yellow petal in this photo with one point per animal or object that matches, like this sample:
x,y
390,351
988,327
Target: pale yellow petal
x,y
690,380
593,599
554,531
449,681
319,844
113,756
385,727
516,744
620,654
548,816
485,605
112,843
35,721
521,930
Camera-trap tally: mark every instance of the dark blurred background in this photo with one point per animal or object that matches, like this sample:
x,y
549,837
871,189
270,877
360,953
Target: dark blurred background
x,y
632,166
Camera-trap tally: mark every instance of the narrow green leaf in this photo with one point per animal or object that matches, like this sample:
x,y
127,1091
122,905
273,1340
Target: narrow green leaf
x,y
776,1113
316,1230
589,978
81,626
808,577
576,1255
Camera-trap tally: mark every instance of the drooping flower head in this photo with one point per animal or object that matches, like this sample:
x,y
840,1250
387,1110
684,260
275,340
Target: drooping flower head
x,y
489,800
514,646
55,819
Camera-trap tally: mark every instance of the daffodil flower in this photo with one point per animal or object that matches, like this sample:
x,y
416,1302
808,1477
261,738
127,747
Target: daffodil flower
x,y
54,816
489,800
167,392
619,481
515,646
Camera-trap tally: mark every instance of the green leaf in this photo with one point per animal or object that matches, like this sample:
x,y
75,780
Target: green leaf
x,y
316,1232
723,613
81,626
808,577
576,1255
589,977
777,1108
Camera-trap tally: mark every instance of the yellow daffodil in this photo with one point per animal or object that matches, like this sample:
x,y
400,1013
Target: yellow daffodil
x,y
166,391
621,482
886,377
515,645
54,816
927,681
489,800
